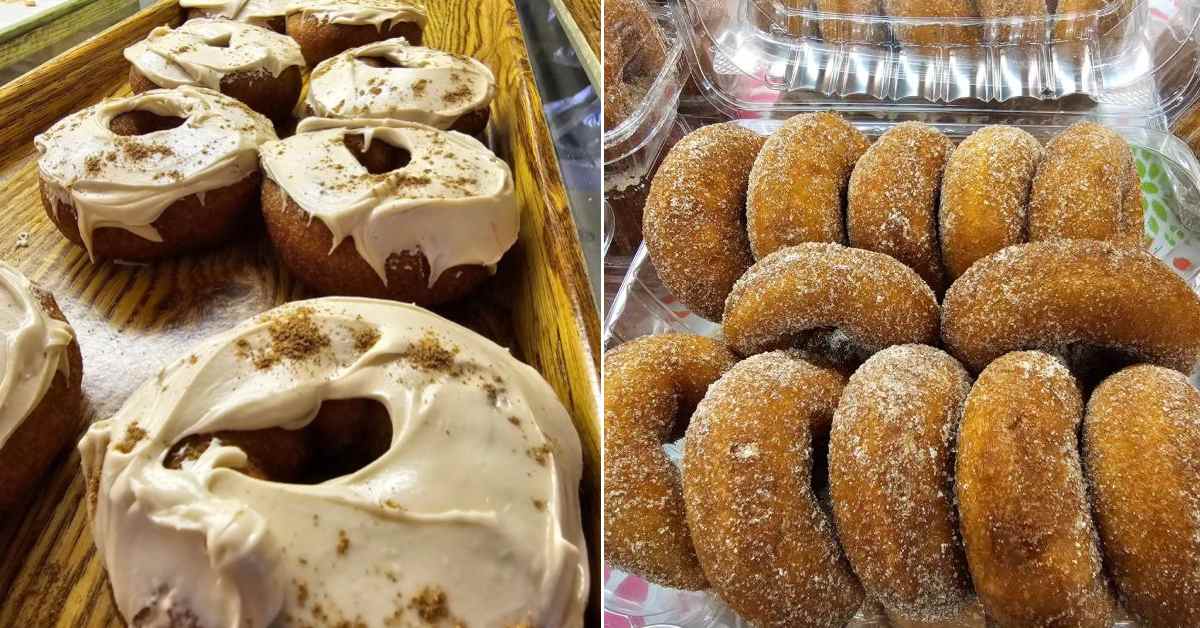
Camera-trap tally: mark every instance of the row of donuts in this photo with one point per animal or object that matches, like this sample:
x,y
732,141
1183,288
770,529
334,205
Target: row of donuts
x,y
911,194
940,489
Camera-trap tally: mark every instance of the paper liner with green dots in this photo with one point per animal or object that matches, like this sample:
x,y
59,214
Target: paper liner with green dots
x,y
1166,237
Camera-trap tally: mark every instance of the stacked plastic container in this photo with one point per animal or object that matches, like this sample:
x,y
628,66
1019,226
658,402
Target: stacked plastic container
x,y
1133,65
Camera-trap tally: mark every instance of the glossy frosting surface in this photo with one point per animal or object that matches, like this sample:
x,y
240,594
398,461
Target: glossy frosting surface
x,y
377,13
253,11
203,51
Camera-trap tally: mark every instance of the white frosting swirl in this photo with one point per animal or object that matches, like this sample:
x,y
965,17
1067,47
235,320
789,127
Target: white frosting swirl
x,y
453,201
457,504
428,86
33,348
250,11
203,51
377,13
128,181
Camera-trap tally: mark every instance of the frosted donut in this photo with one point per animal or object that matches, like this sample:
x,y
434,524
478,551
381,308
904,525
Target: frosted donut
x,y
403,211
891,477
651,386
1053,295
694,221
391,79
156,174
265,13
766,543
799,180
794,295
1087,188
1141,435
893,196
985,195
323,28
467,515
1023,507
254,65
40,374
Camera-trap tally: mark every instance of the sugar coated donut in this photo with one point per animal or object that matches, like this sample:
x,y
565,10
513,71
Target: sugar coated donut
x,y
156,174
40,377
891,477
323,28
1026,523
265,13
799,180
933,34
1087,188
695,215
651,387
635,53
391,79
1053,295
749,467
467,514
985,195
403,210
797,293
893,195
1141,438
252,64
836,30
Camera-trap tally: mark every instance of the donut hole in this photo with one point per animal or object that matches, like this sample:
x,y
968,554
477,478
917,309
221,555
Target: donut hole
x,y
378,158
820,466
345,436
141,122
381,62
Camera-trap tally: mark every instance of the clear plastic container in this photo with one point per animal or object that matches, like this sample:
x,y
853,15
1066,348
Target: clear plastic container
x,y
642,306
759,58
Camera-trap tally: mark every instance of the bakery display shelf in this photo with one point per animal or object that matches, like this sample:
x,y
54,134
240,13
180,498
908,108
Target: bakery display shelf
x,y
133,319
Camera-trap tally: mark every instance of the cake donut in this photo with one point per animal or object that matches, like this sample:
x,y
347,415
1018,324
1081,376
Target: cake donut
x,y
402,210
323,28
985,195
635,53
40,374
1141,435
1023,506
933,34
391,79
468,515
799,180
651,387
1087,188
268,14
851,31
155,174
891,477
259,67
795,295
1054,295
694,221
893,196
750,464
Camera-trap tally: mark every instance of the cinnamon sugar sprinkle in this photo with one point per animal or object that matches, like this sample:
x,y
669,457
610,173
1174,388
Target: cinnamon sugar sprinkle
x,y
294,336
133,435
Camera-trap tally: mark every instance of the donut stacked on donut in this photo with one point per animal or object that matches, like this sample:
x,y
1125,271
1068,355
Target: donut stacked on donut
x,y
252,64
218,493
323,28
387,209
393,80
153,175
40,374
635,52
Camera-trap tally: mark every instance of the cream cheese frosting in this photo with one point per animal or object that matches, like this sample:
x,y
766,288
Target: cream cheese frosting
x,y
412,83
475,500
377,13
33,348
251,11
203,51
128,181
453,201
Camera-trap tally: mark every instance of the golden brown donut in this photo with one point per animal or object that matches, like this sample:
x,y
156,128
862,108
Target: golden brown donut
x,y
750,482
891,476
1031,29
985,195
1023,506
1141,438
694,221
1052,295
893,195
838,31
933,34
651,386
635,53
808,289
1082,28
320,39
1087,188
799,180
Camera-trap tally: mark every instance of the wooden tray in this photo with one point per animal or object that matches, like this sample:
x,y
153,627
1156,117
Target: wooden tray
x,y
131,320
